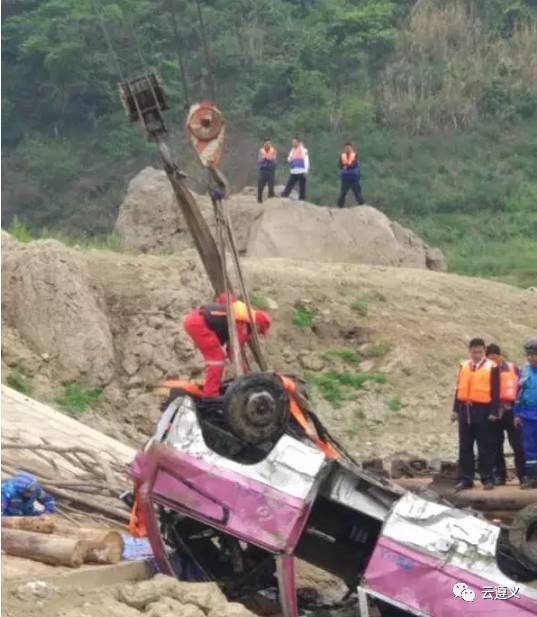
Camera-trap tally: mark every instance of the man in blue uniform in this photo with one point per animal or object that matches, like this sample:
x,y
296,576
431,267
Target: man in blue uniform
x,y
20,493
526,413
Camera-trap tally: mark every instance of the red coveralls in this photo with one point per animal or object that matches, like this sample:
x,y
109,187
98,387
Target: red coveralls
x,y
211,349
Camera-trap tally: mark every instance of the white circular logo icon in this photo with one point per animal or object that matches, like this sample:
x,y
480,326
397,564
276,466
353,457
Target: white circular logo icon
x,y
468,595
461,590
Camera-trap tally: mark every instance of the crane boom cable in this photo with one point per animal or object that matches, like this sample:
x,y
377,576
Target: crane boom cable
x,y
108,39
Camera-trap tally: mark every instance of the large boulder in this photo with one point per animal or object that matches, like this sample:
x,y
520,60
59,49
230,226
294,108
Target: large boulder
x,y
302,231
51,303
150,220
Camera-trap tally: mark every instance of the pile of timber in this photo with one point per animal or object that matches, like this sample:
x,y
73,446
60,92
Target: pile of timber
x,y
85,483
51,540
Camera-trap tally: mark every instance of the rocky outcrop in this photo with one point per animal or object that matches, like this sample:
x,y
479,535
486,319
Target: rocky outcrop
x,y
149,220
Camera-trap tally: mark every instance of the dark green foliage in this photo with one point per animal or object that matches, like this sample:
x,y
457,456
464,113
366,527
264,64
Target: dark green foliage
x,y
439,96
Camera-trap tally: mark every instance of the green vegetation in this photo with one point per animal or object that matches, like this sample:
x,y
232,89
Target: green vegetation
x,y
347,355
76,399
303,318
394,404
19,381
259,302
336,387
21,232
360,305
440,97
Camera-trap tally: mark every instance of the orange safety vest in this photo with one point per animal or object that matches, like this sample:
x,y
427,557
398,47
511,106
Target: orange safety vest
x,y
508,384
297,153
137,527
474,386
267,154
348,159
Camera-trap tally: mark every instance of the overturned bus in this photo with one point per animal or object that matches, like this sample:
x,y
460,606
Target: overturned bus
x,y
234,490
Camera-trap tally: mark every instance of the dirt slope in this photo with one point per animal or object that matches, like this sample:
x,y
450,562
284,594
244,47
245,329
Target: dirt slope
x,y
410,325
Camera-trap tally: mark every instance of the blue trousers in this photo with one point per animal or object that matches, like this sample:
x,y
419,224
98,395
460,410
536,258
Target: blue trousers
x,y
529,443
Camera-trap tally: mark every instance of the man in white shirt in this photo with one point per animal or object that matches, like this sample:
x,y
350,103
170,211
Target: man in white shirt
x,y
299,165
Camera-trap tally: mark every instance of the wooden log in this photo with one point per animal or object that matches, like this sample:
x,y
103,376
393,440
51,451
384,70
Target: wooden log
x,y
104,545
92,505
39,524
48,548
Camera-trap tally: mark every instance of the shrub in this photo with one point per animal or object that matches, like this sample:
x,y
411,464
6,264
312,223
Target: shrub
x,y
17,380
303,318
394,403
336,387
347,355
19,230
259,302
360,306
75,399
106,242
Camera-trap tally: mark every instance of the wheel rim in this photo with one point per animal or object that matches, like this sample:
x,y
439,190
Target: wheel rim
x,y
260,408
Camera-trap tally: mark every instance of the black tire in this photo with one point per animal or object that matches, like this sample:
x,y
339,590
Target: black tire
x,y
523,535
509,562
256,408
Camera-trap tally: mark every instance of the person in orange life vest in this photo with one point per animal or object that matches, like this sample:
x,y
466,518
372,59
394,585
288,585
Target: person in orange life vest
x,y
299,166
509,376
266,164
349,166
476,407
208,329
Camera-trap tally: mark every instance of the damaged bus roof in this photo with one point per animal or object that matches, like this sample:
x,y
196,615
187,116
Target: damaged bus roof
x,y
210,517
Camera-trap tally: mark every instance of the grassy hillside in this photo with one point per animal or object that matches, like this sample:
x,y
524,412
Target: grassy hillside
x,y
474,194
440,97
